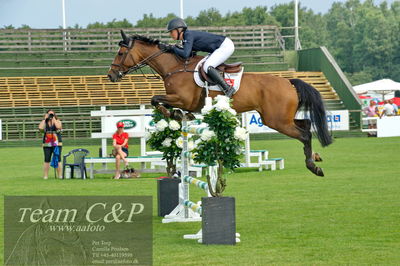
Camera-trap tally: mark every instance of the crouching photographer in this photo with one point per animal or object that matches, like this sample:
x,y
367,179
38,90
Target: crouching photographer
x,y
52,143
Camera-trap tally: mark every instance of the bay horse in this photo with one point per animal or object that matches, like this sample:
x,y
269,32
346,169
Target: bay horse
x,y
276,99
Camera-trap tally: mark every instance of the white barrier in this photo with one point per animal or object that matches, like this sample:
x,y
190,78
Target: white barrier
x,y
135,122
387,126
336,119
251,121
109,118
188,211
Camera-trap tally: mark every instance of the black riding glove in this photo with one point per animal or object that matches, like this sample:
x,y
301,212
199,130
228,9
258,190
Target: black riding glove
x,y
167,48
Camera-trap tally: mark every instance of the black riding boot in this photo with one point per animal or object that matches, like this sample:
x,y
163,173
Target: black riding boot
x,y
216,77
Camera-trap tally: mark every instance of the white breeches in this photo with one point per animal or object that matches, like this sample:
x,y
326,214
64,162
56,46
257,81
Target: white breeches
x,y
220,55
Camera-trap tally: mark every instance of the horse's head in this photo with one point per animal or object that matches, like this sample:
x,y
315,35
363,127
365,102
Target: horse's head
x,y
131,56
124,59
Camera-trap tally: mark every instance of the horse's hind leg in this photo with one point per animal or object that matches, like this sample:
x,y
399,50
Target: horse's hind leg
x,y
299,129
304,126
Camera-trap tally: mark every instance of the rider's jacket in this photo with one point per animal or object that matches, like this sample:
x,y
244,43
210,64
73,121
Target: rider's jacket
x,y
198,41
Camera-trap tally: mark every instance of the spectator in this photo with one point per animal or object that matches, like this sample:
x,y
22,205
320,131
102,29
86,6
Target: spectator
x,y
120,144
51,127
371,111
388,109
395,107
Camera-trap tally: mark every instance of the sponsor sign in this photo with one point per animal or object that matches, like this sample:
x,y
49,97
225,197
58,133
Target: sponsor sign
x,y
77,230
132,123
337,120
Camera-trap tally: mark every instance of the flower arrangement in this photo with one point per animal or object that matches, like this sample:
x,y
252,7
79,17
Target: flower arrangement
x,y
222,143
165,139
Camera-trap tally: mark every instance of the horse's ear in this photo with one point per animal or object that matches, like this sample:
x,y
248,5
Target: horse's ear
x,y
124,37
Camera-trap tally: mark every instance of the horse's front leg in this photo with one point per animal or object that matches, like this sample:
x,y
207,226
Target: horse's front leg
x,y
159,103
164,102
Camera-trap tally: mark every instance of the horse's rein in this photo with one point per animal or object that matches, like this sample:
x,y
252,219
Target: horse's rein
x,y
185,64
144,63
137,66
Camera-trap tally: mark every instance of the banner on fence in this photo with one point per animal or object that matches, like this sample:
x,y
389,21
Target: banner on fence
x,y
132,123
337,120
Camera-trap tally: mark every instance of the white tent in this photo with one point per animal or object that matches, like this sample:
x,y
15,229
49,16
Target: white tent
x,y
379,87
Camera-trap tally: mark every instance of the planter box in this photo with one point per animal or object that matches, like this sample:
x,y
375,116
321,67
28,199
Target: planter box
x,y
218,221
167,195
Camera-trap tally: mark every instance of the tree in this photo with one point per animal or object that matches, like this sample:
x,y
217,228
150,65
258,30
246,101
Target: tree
x,y
149,21
209,17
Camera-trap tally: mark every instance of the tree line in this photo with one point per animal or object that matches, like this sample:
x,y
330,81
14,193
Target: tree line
x,y
363,37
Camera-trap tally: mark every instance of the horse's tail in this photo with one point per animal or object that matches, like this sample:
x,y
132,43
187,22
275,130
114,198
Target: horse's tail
x,y
311,100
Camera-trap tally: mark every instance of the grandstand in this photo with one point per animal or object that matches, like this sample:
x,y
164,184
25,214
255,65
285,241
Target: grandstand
x,y
90,52
66,70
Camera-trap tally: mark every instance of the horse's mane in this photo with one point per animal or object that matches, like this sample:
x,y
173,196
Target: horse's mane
x,y
145,39
161,45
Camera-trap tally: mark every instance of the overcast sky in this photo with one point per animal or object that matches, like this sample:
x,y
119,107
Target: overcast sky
x,y
48,13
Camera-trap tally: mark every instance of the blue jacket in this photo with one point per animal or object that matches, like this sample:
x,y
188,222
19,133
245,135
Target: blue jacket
x,y
198,41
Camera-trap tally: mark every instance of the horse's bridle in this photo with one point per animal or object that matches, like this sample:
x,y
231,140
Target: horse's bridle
x,y
136,66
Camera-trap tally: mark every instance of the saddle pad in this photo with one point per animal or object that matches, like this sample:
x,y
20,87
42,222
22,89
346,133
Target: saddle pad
x,y
232,79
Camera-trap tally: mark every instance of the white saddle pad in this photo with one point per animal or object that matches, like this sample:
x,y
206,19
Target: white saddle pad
x,y
232,79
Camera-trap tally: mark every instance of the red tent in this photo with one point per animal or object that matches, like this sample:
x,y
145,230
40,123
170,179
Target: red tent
x,y
364,97
396,100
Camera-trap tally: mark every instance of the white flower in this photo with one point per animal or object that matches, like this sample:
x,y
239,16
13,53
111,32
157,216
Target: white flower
x,y
222,104
207,135
240,133
190,145
222,98
161,125
206,109
232,111
174,125
197,142
147,135
167,142
179,142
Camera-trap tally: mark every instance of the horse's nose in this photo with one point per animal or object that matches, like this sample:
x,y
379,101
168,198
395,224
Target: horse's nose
x,y
110,77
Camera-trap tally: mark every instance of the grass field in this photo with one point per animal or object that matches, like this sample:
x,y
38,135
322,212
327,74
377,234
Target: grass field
x,y
351,216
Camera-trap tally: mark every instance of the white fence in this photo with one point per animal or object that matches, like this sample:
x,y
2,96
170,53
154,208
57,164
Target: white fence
x,y
387,126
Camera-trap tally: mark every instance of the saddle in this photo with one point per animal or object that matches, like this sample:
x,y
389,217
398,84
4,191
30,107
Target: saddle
x,y
227,68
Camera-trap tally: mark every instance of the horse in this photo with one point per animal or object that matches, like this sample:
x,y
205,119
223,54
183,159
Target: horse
x,y
276,99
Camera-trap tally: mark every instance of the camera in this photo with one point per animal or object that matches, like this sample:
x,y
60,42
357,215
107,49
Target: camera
x,y
51,116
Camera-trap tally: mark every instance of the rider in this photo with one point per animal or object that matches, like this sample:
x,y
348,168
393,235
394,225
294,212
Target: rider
x,y
219,47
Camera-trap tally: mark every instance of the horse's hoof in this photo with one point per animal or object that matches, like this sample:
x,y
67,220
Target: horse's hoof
x,y
177,115
164,111
317,157
318,171
190,116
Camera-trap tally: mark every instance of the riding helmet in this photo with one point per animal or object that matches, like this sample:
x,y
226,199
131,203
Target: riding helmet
x,y
176,23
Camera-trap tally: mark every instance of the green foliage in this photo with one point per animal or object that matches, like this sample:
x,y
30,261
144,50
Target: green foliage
x,y
149,21
365,38
123,24
359,77
223,147
159,140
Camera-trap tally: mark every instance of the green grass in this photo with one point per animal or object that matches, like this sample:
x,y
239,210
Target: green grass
x,y
351,216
